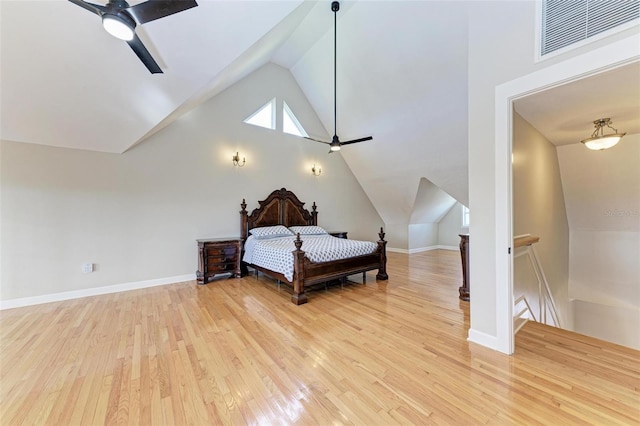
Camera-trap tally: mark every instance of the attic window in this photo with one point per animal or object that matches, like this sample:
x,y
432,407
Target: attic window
x,y
465,216
290,123
265,116
570,23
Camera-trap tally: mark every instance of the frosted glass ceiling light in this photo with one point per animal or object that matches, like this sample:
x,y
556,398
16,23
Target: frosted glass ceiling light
x,y
599,140
119,26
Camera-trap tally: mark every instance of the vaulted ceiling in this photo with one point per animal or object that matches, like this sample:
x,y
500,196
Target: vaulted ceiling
x,y
402,77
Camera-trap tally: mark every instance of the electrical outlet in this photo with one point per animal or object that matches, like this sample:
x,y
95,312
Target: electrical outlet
x,y
87,268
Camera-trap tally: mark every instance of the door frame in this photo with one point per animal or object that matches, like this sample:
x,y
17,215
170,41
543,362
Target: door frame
x,y
603,59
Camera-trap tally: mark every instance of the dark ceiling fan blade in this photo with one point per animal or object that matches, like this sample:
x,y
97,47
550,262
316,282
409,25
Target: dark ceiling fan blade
x,y
94,8
368,138
316,140
138,47
156,9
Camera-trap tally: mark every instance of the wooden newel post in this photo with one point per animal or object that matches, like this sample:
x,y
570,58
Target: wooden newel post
x,y
298,297
382,248
465,289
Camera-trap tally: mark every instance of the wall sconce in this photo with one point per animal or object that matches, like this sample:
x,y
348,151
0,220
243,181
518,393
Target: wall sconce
x,y
316,171
236,160
598,139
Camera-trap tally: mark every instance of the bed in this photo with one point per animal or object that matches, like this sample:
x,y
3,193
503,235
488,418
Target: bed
x,y
282,207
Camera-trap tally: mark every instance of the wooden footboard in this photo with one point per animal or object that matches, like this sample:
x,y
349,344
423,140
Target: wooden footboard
x,y
282,207
307,272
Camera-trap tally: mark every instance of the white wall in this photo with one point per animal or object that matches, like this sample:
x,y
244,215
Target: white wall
x,y
538,209
430,206
602,193
614,324
450,227
423,236
397,237
501,49
136,215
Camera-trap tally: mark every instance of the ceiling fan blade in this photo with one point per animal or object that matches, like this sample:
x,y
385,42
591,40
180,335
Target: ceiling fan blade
x,y
94,8
138,47
315,140
156,9
368,138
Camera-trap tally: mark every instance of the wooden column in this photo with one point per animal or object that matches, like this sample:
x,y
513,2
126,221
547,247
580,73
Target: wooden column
x,y
464,255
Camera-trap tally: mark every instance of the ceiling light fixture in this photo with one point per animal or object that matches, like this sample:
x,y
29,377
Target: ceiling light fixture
x,y
335,143
120,26
317,171
598,139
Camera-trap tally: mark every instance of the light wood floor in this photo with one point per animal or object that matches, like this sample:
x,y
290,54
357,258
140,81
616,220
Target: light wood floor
x,y
238,352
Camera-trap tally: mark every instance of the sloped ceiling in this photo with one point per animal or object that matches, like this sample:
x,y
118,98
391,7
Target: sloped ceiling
x,y
431,204
66,82
402,78
565,114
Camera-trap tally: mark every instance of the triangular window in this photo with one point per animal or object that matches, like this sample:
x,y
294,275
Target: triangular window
x,y
265,116
290,123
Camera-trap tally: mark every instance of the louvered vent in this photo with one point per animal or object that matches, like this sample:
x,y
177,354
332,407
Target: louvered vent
x,y
565,22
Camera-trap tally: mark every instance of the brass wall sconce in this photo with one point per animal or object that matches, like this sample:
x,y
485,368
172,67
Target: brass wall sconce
x,y
316,171
236,160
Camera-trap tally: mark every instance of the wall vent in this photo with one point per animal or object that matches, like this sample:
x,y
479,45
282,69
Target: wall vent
x,y
565,22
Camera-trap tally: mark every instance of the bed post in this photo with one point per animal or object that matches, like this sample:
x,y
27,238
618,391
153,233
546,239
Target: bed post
x,y
298,297
243,235
243,220
314,214
382,245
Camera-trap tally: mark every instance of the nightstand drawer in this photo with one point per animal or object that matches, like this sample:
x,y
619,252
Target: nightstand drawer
x,y
220,268
228,251
213,261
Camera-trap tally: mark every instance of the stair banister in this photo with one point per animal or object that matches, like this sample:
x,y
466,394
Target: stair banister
x,y
545,297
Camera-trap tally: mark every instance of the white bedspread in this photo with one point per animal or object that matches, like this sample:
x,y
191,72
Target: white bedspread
x,y
275,253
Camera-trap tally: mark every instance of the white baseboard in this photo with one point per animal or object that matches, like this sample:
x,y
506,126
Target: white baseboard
x,y
397,250
483,339
77,294
421,249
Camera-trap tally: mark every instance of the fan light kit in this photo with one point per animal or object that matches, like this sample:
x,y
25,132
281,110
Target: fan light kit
x,y
599,140
335,143
120,20
121,27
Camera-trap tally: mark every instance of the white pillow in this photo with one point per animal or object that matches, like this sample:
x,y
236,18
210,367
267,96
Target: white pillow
x,y
308,230
270,232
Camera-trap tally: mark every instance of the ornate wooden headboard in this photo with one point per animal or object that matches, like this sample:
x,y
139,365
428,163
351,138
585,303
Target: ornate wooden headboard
x,y
281,207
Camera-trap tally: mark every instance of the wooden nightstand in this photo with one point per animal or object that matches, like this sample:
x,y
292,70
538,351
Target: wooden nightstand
x,y
218,256
339,234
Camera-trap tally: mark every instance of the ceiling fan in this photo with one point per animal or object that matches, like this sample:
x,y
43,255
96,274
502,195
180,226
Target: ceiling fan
x,y
120,20
335,143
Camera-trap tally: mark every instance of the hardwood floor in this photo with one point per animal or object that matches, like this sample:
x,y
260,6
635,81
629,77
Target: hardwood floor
x,y
239,352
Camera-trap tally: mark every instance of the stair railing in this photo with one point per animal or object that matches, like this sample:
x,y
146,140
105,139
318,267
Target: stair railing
x,y
546,303
521,317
